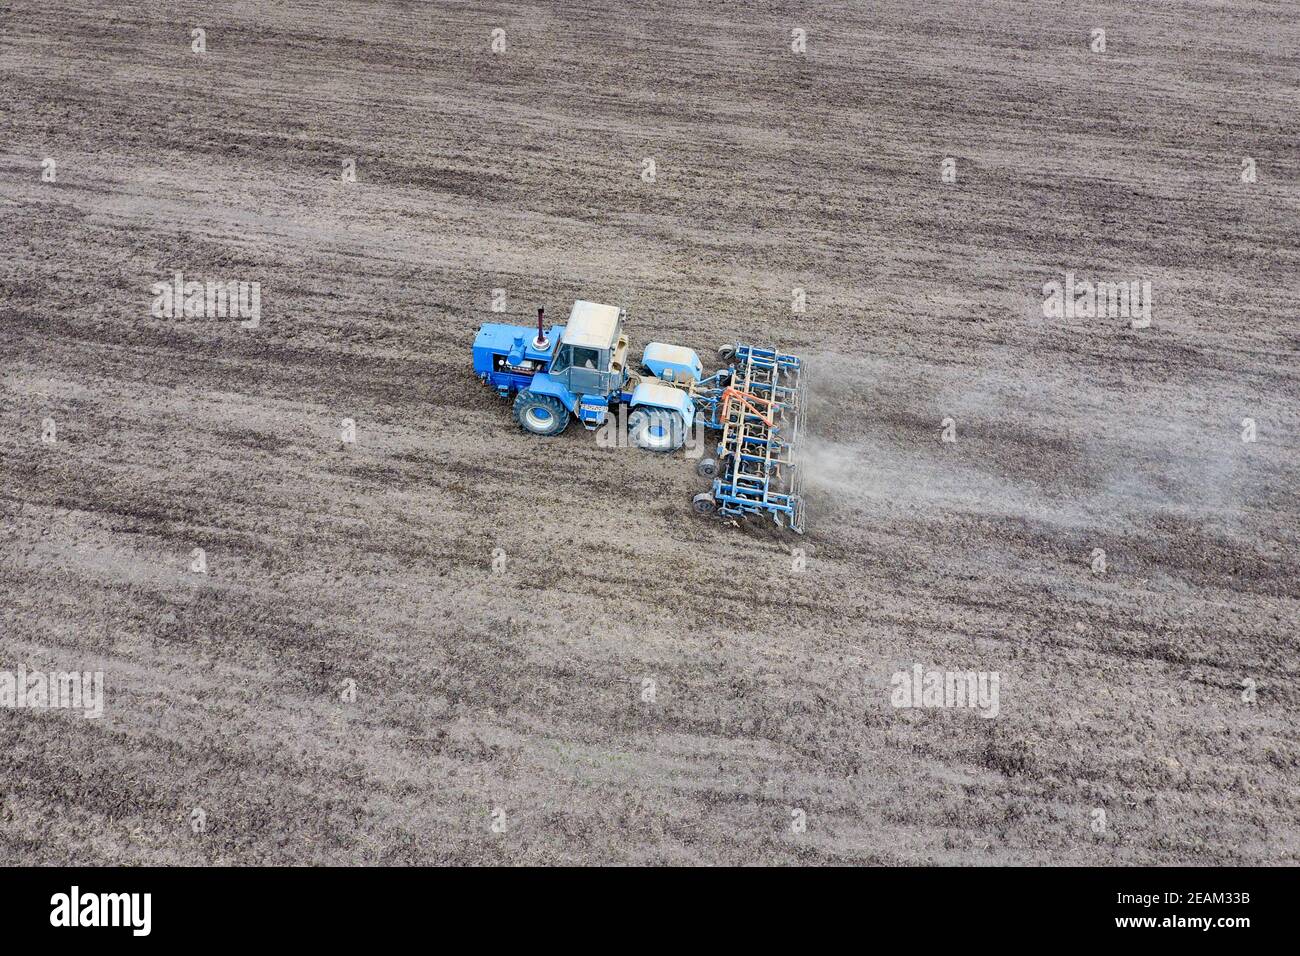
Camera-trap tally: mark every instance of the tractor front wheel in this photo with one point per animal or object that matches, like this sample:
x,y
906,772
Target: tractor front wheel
x,y
656,429
540,414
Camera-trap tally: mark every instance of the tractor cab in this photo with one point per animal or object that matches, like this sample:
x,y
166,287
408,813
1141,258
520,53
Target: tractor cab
x,y
592,355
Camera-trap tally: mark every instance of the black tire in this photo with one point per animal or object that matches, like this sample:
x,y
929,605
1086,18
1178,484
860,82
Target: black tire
x,y
706,468
656,429
540,414
703,504
727,353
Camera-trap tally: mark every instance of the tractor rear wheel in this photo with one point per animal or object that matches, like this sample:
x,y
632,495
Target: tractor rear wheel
x,y
656,429
540,414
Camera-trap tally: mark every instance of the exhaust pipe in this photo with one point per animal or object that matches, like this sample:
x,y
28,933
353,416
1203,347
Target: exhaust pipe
x,y
541,341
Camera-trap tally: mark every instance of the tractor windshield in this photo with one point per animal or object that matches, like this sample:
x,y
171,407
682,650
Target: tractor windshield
x,y
575,356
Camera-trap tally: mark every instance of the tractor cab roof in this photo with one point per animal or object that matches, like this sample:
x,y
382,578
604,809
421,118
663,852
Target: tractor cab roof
x,y
592,325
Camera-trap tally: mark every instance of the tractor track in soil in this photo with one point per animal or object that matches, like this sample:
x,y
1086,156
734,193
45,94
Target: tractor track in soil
x,y
500,602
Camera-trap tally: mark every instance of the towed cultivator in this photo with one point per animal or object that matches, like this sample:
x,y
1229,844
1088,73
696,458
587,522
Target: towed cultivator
x,y
758,405
579,370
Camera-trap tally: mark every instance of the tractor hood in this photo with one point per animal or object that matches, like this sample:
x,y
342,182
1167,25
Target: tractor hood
x,y
513,346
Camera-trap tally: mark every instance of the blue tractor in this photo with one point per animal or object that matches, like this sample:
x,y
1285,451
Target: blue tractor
x,y
579,370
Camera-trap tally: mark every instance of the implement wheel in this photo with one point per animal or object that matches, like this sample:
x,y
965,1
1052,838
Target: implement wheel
x,y
703,504
540,414
706,468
